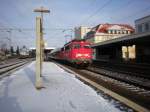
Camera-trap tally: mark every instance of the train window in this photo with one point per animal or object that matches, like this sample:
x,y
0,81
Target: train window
x,y
67,48
76,46
87,46
62,49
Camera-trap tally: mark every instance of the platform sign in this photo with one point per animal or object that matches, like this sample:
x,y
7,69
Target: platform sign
x,y
39,49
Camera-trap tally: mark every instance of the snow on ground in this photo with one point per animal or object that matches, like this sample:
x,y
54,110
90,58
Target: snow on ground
x,y
63,92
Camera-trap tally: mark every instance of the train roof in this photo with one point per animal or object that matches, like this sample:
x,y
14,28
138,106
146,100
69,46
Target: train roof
x,y
55,50
75,40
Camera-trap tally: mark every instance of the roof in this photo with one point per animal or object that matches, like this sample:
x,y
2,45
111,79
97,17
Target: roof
x,y
103,28
48,48
142,18
55,50
122,39
74,40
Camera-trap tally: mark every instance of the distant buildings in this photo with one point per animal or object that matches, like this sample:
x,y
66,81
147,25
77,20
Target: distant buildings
x,y
103,32
47,50
81,31
24,51
143,24
1,54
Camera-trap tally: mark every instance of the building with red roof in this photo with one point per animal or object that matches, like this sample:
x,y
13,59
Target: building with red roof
x,y
103,32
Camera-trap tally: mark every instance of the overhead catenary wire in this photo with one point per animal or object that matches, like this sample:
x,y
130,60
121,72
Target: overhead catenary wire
x,y
97,11
123,6
133,14
118,10
23,30
12,27
89,5
33,29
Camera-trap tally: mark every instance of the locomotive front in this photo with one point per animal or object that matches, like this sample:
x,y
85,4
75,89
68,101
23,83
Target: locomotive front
x,y
81,53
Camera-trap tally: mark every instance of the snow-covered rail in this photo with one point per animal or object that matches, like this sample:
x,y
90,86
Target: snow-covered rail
x,y
12,66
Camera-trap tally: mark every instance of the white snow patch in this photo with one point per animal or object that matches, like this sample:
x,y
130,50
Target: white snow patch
x,y
63,92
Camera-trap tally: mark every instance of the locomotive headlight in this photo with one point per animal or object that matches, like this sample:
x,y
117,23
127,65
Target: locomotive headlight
x,y
87,55
78,55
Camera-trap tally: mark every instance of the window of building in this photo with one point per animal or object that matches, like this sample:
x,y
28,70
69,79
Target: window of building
x,y
111,32
146,27
140,28
129,32
122,31
119,32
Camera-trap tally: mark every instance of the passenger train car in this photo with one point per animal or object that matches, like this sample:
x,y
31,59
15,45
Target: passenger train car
x,y
77,52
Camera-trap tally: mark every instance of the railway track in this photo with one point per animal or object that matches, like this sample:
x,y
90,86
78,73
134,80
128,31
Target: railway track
x,y
141,82
134,93
133,69
9,67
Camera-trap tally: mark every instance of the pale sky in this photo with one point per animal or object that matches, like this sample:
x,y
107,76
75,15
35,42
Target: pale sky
x,y
65,14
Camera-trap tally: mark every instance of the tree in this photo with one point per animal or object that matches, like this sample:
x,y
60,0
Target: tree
x,y
11,50
18,51
6,51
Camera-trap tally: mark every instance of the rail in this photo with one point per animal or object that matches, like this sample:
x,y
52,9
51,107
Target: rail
x,y
14,65
112,87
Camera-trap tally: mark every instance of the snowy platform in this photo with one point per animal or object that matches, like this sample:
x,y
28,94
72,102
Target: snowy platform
x,y
63,92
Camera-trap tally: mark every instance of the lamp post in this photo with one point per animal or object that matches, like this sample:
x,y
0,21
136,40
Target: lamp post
x,y
39,46
42,10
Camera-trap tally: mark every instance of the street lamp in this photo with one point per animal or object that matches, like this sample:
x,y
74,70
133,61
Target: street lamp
x,y
39,46
42,10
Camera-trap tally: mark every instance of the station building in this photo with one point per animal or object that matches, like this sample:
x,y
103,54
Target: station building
x,y
47,50
103,32
132,48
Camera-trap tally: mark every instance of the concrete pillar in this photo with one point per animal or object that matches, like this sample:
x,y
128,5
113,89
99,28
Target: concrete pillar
x,y
38,82
125,53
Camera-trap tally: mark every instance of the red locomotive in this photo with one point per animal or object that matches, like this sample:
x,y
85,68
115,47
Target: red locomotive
x,y
77,52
